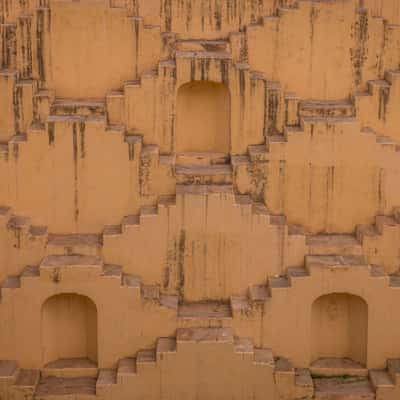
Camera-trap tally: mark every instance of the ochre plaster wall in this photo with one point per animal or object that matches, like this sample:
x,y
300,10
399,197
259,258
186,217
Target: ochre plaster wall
x,y
199,197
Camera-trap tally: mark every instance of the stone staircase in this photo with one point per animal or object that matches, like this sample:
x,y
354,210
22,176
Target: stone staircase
x,y
217,49
80,107
151,34
221,174
325,367
132,368
56,267
386,381
80,378
326,109
326,379
67,377
89,244
314,264
325,252
325,244
26,383
332,248
204,314
203,168
70,368
354,388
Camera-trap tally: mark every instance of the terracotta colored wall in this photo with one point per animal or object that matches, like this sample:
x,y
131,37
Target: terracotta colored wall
x,y
164,156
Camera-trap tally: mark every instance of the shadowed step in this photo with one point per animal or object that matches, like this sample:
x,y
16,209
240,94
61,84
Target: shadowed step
x,y
70,368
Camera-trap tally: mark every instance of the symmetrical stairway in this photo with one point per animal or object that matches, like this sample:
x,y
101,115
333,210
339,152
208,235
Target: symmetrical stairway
x,y
202,266
80,378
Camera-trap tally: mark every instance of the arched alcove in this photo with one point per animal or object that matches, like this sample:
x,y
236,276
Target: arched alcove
x,y
203,118
69,328
339,327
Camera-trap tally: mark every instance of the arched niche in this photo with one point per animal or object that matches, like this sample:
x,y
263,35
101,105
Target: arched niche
x,y
69,328
203,118
339,327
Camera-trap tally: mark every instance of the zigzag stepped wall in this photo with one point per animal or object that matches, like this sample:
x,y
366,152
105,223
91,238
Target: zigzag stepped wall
x,y
199,199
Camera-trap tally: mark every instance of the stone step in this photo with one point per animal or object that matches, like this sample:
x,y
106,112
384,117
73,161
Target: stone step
x,y
4,213
112,230
365,231
377,271
258,152
317,108
308,122
240,305
126,369
8,371
71,261
202,190
113,271
198,174
27,380
70,119
30,271
283,365
331,367
150,292
165,345
341,245
130,221
375,86
396,214
36,231
145,357
17,222
52,387
89,244
216,54
204,311
70,368
201,158
10,283
57,267
335,262
202,46
394,281
278,282
258,293
382,222
243,346
131,281
106,378
303,377
393,366
388,142
348,388
294,273
169,301
264,356
204,335
381,379
82,107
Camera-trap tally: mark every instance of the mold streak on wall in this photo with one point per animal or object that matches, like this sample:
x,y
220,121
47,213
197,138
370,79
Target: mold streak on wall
x,y
199,199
